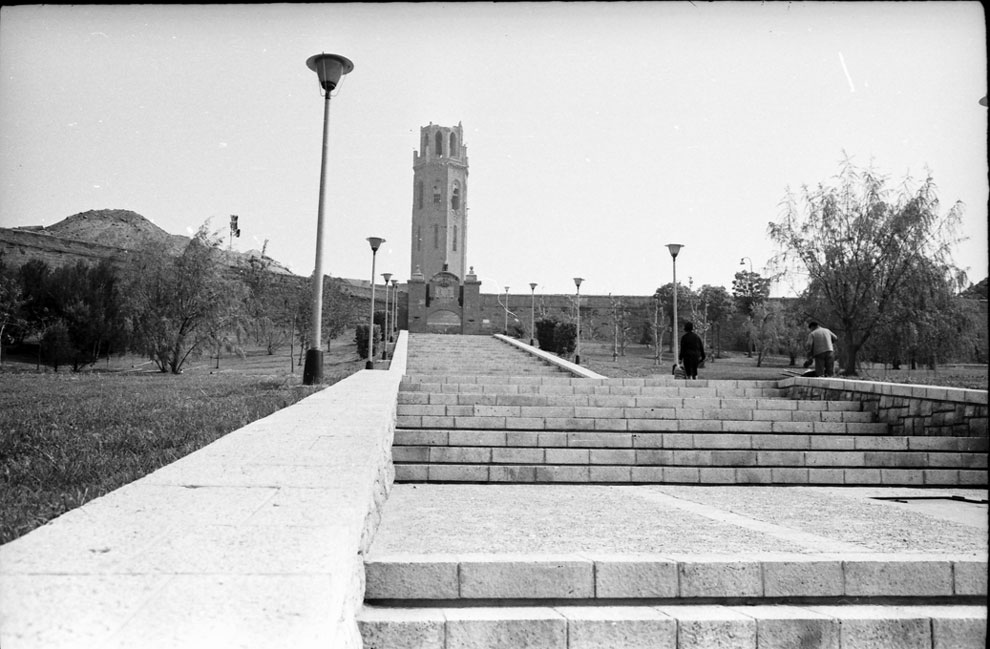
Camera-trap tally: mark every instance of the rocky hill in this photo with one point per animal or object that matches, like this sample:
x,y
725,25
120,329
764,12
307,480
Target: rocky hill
x,y
99,234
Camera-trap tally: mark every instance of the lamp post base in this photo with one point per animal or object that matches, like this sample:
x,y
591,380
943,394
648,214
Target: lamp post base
x,y
577,359
313,369
369,364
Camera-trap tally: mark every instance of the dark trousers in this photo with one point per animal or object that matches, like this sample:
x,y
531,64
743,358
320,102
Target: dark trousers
x,y
824,363
691,362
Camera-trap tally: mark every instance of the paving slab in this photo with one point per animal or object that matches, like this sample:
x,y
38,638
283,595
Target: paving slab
x,y
629,520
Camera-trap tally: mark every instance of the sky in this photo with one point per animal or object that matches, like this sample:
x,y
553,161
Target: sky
x,y
596,132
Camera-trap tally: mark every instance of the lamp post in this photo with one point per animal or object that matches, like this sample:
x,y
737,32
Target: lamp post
x,y
387,277
395,308
375,243
532,318
577,345
674,248
329,68
505,327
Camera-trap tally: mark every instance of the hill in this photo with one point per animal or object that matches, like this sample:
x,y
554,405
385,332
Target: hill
x,y
100,234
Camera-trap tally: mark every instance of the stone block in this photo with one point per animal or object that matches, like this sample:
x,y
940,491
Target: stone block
x,y
958,627
526,577
647,474
609,473
599,440
612,456
772,442
554,439
562,474
862,476
558,423
417,437
716,475
522,438
481,423
457,473
648,440
803,577
901,477
826,476
712,627
789,476
411,472
460,455
618,627
419,454
895,576
677,474
834,458
517,455
505,628
625,577
410,576
734,458
699,426
750,475
525,423
399,628
476,438
791,627
890,627
611,424
434,422
780,458
972,477
510,473
969,577
568,455
714,576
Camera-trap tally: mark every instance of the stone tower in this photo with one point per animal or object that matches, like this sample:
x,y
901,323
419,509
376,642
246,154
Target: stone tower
x,y
439,215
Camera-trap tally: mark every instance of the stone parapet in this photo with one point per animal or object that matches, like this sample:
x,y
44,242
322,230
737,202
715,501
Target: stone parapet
x,y
910,410
256,540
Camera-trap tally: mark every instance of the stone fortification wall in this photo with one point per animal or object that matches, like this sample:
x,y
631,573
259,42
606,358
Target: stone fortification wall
x,y
909,409
20,246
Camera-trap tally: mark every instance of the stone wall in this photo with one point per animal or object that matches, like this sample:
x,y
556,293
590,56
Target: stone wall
x,y
256,540
911,410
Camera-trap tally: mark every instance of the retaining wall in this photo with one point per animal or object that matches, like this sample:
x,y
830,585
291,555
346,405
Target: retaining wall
x,y
256,540
909,409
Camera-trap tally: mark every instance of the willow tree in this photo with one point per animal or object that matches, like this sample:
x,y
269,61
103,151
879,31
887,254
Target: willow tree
x,y
859,241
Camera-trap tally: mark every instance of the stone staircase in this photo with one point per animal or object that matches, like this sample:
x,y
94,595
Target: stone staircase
x,y
478,410
475,410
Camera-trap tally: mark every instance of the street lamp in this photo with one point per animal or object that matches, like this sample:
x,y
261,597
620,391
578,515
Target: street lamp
x,y
577,346
505,327
395,308
387,277
329,68
375,242
532,319
674,248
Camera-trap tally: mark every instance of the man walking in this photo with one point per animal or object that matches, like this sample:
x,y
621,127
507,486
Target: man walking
x,y
821,348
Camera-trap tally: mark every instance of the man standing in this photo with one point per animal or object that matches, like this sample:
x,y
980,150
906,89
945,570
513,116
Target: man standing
x,y
691,351
821,348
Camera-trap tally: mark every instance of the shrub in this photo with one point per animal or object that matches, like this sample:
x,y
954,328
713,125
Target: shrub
x,y
361,340
544,333
565,338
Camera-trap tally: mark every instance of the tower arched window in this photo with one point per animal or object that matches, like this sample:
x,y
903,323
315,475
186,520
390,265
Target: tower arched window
x,y
436,235
453,144
419,194
425,144
455,198
437,198
454,242
439,144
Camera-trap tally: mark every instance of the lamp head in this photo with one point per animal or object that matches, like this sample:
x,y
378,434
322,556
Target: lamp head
x,y
577,281
395,283
532,286
375,242
674,248
329,68
387,277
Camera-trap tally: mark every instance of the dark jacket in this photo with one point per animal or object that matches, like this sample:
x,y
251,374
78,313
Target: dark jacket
x,y
691,344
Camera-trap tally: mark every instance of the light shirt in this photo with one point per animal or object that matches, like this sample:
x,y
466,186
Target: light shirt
x,y
820,340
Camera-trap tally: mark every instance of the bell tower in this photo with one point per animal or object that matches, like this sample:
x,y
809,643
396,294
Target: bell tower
x,y
439,214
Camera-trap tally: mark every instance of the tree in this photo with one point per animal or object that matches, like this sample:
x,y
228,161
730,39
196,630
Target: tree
x,y
716,305
749,291
177,305
11,301
858,242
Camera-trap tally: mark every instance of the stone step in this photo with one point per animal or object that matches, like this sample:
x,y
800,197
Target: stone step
x,y
547,385
594,579
676,627
689,412
687,474
606,423
621,401
405,437
685,457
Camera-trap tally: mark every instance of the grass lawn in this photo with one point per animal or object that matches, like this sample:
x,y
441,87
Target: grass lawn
x,y
67,438
638,361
